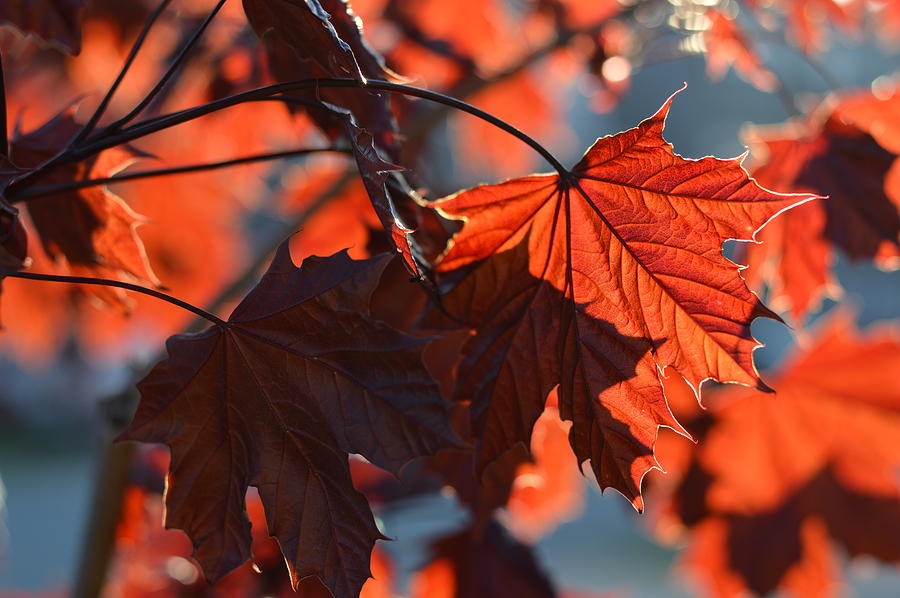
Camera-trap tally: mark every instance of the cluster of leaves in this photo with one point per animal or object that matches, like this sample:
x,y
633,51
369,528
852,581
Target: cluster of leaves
x,y
837,417
523,329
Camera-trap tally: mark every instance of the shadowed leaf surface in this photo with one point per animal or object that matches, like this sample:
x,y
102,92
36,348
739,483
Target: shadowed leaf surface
x,y
318,39
55,21
298,378
592,283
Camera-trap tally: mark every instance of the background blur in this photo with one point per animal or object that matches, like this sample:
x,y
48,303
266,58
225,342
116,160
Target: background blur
x,y
51,437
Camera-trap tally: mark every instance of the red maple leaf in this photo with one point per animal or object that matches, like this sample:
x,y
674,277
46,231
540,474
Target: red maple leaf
x,y
827,156
594,281
153,562
775,481
92,228
278,396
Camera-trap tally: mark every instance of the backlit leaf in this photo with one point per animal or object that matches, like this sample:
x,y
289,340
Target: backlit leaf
x,y
777,481
594,282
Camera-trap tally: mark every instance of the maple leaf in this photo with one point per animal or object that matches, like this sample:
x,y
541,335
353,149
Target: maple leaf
x,y
151,561
278,396
827,156
595,280
57,22
92,228
727,45
375,173
319,39
761,521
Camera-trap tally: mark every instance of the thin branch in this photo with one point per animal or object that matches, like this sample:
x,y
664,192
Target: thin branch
x,y
121,285
173,68
830,80
106,509
787,98
469,86
36,192
4,141
160,123
135,48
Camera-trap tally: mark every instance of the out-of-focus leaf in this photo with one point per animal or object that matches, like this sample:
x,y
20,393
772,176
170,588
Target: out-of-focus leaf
x,y
831,156
776,482
93,229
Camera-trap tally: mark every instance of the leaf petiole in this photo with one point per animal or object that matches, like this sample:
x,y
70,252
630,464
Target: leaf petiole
x,y
173,68
142,129
122,285
4,141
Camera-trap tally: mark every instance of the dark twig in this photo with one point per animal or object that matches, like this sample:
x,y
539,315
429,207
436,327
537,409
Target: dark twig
x,y
121,285
106,508
36,192
173,68
135,48
4,141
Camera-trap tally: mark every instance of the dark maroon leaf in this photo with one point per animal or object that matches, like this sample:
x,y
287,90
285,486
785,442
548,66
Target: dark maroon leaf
x,y
57,22
276,398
